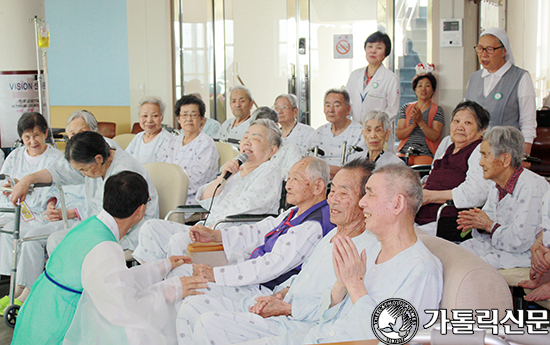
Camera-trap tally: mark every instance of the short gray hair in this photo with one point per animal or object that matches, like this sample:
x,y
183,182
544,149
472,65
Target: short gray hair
x,y
245,89
317,169
274,134
265,113
153,100
506,139
88,117
292,99
341,91
379,116
401,179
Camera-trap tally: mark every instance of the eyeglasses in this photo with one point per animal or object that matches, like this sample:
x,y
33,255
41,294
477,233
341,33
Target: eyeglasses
x,y
489,50
283,108
193,115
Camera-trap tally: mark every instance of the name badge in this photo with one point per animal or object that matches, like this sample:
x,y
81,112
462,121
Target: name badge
x,y
26,212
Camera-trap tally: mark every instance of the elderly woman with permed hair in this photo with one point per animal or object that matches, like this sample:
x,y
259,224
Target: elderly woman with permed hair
x,y
456,174
146,146
506,227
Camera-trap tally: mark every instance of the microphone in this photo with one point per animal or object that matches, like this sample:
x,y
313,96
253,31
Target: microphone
x,y
241,159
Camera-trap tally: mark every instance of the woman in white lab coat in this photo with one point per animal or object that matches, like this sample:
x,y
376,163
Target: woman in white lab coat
x,y
375,87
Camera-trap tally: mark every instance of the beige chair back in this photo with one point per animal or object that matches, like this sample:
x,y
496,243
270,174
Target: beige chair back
x,y
226,152
468,281
123,140
171,183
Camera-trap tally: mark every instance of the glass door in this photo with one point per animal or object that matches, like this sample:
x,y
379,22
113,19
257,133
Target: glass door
x,y
272,47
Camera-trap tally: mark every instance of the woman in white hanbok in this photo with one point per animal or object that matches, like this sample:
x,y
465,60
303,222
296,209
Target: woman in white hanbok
x,y
194,151
147,145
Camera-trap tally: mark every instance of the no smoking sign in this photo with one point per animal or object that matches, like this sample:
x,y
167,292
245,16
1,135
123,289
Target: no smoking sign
x,y
343,46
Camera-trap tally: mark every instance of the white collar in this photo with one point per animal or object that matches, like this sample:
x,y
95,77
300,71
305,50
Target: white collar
x,y
110,222
500,71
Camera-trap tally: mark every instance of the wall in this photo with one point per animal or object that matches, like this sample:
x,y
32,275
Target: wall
x,y
455,64
149,43
88,60
118,114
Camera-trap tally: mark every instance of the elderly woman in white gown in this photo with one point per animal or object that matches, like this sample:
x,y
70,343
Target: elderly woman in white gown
x,y
506,227
194,151
253,188
147,145
376,132
39,208
289,153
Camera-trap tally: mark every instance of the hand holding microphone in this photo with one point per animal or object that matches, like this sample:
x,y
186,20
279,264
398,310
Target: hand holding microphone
x,y
233,166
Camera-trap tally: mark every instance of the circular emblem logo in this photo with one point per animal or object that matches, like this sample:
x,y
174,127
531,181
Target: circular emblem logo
x,y
394,321
498,96
374,85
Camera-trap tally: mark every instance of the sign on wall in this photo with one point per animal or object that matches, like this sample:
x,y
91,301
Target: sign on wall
x,y
343,46
18,95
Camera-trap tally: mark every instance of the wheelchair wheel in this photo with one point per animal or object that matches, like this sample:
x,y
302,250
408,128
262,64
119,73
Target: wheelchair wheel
x,y
10,315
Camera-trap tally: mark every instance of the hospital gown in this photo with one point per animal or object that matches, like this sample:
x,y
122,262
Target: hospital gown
x,y
199,160
300,135
519,215
287,155
256,193
150,152
414,275
384,158
211,127
237,133
62,173
332,145
222,320
17,165
120,304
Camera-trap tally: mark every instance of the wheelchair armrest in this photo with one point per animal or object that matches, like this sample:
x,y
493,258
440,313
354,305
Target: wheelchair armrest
x,y
191,208
440,209
243,218
185,209
204,247
249,217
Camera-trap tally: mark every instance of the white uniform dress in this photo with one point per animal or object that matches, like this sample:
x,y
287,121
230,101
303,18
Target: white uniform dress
x,y
222,320
382,93
150,152
237,133
287,155
116,300
211,127
256,193
384,158
17,165
62,173
199,160
1,158
472,192
332,145
300,135
519,215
